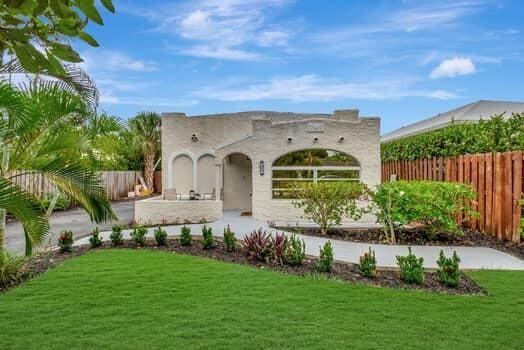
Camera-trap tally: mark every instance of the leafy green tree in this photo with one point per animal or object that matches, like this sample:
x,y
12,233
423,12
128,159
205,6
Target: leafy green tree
x,y
145,128
36,138
326,203
37,32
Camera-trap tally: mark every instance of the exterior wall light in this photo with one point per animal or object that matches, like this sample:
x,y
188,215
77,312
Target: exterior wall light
x,y
194,138
261,168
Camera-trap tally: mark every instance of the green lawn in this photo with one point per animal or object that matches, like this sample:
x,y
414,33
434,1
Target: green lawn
x,y
155,300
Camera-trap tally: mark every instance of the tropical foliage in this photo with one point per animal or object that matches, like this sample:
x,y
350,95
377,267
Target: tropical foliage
x,y
50,25
145,128
492,135
431,203
327,203
41,133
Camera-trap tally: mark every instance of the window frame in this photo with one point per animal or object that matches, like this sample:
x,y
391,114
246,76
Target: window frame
x,y
314,179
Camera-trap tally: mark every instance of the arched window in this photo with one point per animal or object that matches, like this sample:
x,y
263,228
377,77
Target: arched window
x,y
311,165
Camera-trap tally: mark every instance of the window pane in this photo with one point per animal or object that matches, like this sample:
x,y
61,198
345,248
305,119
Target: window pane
x,y
316,157
293,174
337,174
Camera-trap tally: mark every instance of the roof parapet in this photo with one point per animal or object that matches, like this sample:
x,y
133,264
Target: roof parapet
x,y
346,114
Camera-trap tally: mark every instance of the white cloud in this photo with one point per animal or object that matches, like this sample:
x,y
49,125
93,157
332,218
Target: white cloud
x,y
100,60
211,51
314,88
453,67
146,101
273,38
228,29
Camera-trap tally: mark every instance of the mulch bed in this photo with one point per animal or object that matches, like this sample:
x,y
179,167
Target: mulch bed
x,y
341,271
471,238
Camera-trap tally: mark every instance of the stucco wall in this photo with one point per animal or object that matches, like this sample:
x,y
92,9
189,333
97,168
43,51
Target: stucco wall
x,y
263,136
157,211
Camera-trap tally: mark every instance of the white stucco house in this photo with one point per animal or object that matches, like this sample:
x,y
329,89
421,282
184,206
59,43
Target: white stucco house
x,y
250,161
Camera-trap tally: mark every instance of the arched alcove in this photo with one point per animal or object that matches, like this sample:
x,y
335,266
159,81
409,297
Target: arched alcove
x,y
182,174
206,175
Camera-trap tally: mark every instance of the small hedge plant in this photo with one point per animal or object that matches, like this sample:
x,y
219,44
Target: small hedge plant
x,y
325,264
116,236
160,236
11,268
65,241
208,241
448,270
295,251
230,240
411,268
367,266
432,203
138,235
95,240
185,235
259,246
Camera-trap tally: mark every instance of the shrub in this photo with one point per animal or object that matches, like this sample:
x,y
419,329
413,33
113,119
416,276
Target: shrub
x,y
95,240
432,203
62,202
280,243
295,251
230,240
65,241
116,235
325,264
259,245
208,241
492,135
448,270
367,266
326,203
411,268
160,236
185,235
138,235
11,268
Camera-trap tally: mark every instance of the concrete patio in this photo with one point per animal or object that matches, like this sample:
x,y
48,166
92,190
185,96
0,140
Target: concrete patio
x,y
471,257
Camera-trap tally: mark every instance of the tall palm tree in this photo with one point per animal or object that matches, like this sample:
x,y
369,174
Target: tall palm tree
x,y
37,138
146,132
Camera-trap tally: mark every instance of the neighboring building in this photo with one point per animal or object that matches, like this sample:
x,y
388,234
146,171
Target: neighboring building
x,y
472,112
249,162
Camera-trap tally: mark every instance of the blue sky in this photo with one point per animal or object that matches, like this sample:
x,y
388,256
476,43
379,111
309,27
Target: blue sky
x,y
401,60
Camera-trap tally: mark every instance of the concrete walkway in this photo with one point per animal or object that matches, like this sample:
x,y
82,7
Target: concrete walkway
x,y
471,257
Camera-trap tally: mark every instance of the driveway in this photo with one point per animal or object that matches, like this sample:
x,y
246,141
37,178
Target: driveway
x,y
75,220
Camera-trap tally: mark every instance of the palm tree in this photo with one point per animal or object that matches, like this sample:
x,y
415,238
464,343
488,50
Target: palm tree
x,y
38,139
146,131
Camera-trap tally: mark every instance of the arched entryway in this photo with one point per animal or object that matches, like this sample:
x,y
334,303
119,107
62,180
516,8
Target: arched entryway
x,y
182,174
237,182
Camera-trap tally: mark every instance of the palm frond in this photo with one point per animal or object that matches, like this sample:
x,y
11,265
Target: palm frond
x,y
75,80
26,208
80,184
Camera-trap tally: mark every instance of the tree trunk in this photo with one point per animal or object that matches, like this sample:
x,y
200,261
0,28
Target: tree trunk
x,y
2,228
149,163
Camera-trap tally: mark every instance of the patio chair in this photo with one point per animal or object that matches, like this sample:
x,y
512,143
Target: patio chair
x,y
170,194
209,195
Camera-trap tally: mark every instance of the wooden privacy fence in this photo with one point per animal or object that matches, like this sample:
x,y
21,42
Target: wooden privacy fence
x,y
117,183
496,177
